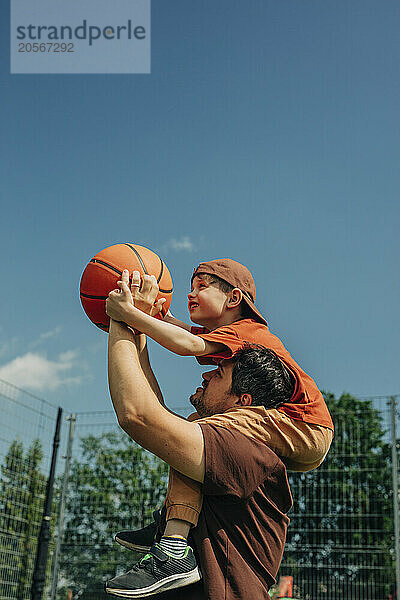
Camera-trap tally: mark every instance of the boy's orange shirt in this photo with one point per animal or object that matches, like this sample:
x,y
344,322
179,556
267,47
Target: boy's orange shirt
x,y
307,403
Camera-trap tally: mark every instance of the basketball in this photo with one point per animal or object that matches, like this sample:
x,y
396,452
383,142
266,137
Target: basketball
x,y
104,270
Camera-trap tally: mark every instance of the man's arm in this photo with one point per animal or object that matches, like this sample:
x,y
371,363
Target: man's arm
x,y
176,441
146,367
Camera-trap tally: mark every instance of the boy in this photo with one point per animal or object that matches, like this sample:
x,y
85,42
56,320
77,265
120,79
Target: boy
x,y
221,301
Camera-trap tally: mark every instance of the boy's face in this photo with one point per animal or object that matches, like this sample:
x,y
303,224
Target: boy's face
x,y
206,302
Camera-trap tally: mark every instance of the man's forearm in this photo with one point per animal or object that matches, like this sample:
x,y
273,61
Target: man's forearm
x,y
127,382
146,367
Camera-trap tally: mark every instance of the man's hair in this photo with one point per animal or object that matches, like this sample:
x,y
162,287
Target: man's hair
x,y
224,286
258,371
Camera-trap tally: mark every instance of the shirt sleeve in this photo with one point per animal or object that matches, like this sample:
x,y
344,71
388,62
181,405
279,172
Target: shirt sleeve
x,y
227,336
198,330
235,464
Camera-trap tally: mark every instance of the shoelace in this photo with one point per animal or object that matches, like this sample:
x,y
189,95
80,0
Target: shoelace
x,y
147,563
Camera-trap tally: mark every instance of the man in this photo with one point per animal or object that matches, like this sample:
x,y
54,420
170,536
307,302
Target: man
x,y
240,536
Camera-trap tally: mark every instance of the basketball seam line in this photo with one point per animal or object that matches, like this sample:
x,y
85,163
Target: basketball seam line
x,y
102,262
162,269
94,297
138,257
144,267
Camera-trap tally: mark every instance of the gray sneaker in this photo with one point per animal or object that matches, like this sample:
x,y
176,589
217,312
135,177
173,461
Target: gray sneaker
x,y
156,572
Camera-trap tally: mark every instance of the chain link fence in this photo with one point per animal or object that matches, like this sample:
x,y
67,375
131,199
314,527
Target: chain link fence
x,y
341,541
26,436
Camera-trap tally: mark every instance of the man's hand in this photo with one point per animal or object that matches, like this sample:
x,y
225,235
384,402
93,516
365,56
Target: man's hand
x,y
119,303
144,294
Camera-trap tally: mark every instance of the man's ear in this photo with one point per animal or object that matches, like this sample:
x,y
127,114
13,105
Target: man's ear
x,y
245,400
235,298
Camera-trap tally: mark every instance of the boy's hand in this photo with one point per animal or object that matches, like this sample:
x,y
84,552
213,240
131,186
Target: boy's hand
x,y
144,294
119,303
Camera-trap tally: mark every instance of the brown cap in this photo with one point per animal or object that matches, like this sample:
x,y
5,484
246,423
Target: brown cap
x,y
237,275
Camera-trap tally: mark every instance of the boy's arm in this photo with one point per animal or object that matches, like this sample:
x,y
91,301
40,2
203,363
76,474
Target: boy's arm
x,y
169,318
120,307
174,338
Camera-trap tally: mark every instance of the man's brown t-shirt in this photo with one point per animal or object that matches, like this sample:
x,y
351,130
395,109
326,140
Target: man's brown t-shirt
x,y
240,536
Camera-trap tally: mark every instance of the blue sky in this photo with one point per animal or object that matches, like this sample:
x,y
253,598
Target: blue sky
x,y
268,132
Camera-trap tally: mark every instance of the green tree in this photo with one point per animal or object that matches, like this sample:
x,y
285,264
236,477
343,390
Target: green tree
x,y
113,485
22,488
341,531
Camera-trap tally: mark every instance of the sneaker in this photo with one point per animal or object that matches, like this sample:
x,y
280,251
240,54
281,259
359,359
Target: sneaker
x,y
154,573
140,540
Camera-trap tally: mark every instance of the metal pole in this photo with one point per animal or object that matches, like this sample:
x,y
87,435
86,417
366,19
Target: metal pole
x,y
64,489
395,475
39,573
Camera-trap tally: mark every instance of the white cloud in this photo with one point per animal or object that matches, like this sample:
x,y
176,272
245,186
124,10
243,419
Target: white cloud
x,y
50,333
37,372
45,336
183,244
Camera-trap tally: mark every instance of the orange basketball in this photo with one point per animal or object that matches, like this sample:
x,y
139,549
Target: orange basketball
x,y
105,269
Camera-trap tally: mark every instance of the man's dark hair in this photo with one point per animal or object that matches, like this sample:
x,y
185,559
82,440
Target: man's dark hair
x,y
258,371
224,286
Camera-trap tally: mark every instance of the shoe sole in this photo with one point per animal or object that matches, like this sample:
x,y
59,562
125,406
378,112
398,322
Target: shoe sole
x,y
169,583
132,546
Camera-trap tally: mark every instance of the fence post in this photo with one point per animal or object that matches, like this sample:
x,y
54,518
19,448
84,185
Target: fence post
x,y
39,573
64,489
395,475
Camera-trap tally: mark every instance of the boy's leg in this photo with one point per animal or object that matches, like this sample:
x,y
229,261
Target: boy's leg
x,y
180,512
184,498
183,501
302,446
